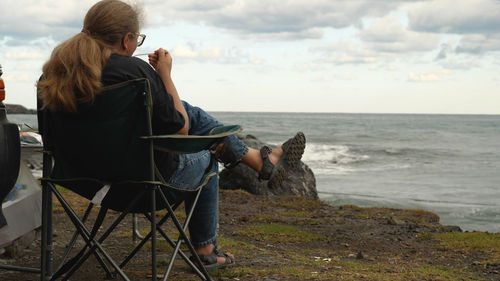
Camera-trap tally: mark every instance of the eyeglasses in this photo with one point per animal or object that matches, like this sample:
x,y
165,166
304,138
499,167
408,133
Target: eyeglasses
x,y
140,38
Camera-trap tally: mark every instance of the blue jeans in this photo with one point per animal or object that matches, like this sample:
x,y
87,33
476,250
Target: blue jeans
x,y
203,225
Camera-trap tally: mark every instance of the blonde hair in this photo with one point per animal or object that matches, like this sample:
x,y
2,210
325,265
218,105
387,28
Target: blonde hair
x,y
72,75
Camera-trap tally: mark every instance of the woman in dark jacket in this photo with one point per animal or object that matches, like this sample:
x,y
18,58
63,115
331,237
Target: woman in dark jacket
x,y
101,55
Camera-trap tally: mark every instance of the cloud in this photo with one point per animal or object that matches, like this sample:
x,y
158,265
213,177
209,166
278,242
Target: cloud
x,y
451,16
26,20
348,53
390,36
445,49
287,19
478,43
25,55
384,40
214,54
463,64
431,76
311,33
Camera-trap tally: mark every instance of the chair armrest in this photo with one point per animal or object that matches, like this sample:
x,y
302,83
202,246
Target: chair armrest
x,y
183,144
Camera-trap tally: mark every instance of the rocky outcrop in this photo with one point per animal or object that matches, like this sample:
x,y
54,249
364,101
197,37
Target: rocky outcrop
x,y
300,181
18,109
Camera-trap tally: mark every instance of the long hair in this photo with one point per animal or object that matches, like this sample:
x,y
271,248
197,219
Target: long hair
x,y
73,73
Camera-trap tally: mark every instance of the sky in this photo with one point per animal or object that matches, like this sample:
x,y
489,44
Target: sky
x,y
357,56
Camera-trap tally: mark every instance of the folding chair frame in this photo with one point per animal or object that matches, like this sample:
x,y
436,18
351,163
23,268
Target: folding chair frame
x,y
93,245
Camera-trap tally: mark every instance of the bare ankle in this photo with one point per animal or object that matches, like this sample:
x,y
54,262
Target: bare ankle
x,y
276,155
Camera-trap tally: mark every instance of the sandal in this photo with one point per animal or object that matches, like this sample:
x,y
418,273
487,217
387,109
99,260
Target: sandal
x,y
292,153
210,261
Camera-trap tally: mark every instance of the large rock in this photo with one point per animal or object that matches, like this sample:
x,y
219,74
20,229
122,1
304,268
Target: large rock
x,y
300,181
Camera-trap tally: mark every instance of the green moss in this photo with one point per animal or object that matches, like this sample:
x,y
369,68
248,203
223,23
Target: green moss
x,y
285,272
263,218
425,236
312,221
487,243
297,214
278,233
298,203
62,189
229,242
441,273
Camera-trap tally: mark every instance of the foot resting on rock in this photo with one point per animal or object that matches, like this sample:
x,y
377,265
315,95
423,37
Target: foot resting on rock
x,y
276,162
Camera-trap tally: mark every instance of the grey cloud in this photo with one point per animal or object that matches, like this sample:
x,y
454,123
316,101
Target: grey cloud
x,y
390,36
459,65
451,16
29,20
445,48
272,19
478,43
312,33
277,17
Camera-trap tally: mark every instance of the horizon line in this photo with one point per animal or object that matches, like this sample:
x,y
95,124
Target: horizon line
x,y
324,112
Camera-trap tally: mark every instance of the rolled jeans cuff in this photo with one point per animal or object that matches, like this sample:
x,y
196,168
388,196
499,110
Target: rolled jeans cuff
x,y
205,243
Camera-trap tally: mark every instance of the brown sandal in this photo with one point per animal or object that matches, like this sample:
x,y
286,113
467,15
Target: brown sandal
x,y
210,261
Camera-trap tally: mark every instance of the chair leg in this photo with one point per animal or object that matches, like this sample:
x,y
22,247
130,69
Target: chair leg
x,y
70,245
78,260
135,232
182,233
145,239
173,245
46,236
86,235
96,245
153,231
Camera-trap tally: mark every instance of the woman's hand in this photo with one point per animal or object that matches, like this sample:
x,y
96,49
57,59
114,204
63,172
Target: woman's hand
x,y
161,61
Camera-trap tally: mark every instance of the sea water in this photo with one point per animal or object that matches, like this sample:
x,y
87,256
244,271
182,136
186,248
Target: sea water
x,y
449,164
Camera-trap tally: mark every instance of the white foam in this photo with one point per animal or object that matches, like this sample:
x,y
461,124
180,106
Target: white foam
x,y
331,159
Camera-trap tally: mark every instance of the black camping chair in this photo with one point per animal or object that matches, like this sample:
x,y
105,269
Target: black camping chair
x,y
106,154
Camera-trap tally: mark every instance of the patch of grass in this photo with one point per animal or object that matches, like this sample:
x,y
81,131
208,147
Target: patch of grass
x,y
297,214
487,243
298,203
62,189
422,212
278,233
285,272
263,218
229,242
303,218
429,272
312,221
234,191
425,236
345,270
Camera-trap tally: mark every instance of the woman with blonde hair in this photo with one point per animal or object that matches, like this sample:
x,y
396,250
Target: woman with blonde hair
x,y
101,55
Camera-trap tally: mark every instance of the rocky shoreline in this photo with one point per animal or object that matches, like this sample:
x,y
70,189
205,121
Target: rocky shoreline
x,y
18,109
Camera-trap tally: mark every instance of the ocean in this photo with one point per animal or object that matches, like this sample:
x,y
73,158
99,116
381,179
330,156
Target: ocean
x,y
448,164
